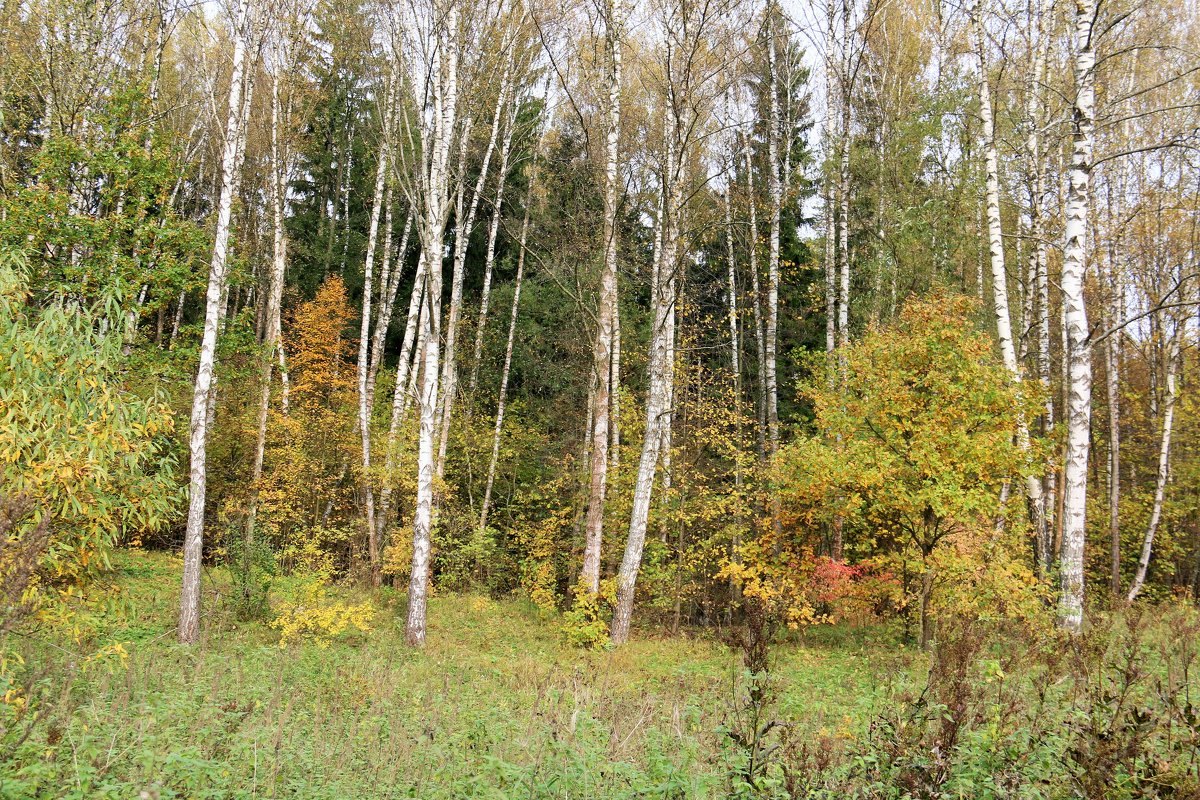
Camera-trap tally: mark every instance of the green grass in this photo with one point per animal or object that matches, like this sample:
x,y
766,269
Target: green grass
x,y
496,705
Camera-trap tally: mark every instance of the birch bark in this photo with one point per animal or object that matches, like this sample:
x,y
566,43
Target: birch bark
x,y
1164,463
773,186
756,292
1004,327
602,346
272,337
193,547
844,184
489,258
364,336
445,106
1079,369
462,239
402,393
504,373
660,372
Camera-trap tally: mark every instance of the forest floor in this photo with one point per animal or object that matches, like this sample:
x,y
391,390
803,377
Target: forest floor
x,y
497,705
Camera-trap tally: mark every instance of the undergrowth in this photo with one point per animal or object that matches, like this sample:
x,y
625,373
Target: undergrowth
x,y
500,705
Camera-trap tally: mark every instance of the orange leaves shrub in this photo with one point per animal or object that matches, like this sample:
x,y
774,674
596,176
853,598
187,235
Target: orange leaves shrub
x,y
305,497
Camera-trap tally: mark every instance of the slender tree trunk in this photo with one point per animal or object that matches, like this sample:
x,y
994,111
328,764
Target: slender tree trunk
x,y
503,396
445,105
1112,355
490,254
1113,396
755,289
926,632
735,367
462,239
831,258
773,186
999,275
1080,352
193,547
659,378
1004,327
271,338
284,381
614,427
1164,463
347,180
389,286
410,352
1039,289
844,186
364,340
178,318
668,426
589,576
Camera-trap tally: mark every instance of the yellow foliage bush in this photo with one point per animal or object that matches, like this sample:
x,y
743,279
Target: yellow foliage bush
x,y
482,605
313,616
585,624
779,584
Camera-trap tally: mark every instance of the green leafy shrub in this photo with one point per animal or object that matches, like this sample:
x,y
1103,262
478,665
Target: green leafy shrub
x,y
90,456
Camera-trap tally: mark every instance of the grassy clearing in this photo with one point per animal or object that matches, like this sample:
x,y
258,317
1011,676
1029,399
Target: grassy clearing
x,y
496,706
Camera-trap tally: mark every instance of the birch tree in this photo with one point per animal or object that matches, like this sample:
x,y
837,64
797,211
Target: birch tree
x,y
502,396
693,54
365,401
775,189
464,224
999,273
435,56
1078,344
1164,460
613,14
193,545
827,184
272,339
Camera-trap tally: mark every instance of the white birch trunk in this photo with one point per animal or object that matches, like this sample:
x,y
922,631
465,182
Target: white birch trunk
x,y
731,262
178,319
193,546
831,259
1039,289
660,371
489,259
844,187
364,343
614,427
773,187
1004,327
735,367
602,346
462,239
271,339
1079,372
504,373
756,292
1113,396
445,105
1164,464
389,286
402,393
